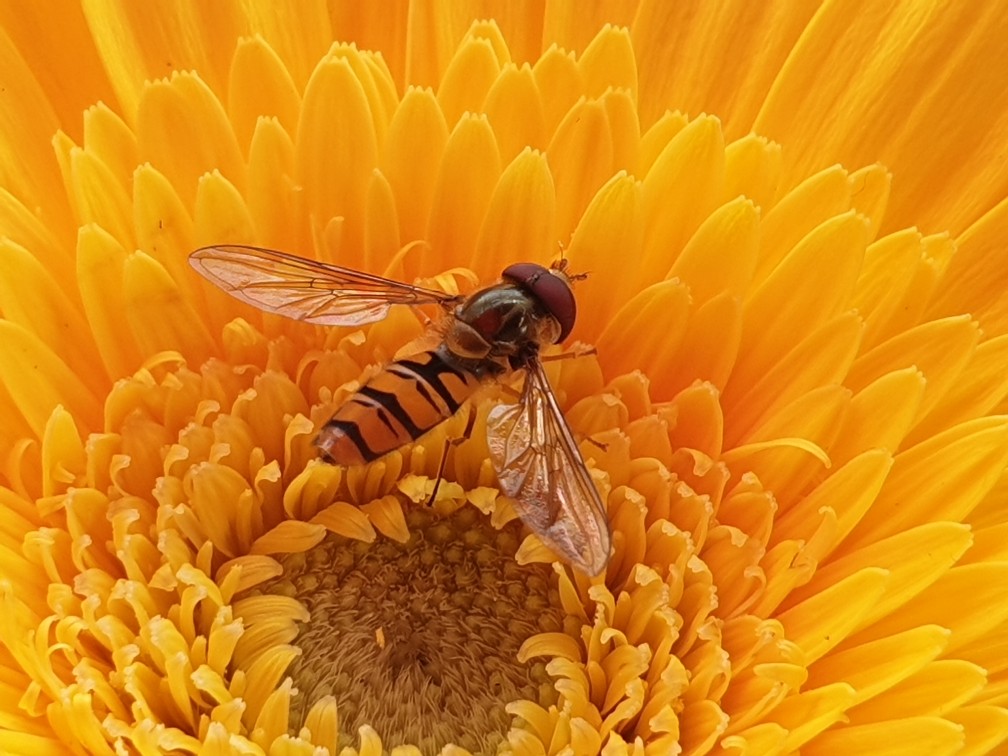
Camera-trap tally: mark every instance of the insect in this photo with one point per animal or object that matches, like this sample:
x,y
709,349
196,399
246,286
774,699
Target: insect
x,y
486,336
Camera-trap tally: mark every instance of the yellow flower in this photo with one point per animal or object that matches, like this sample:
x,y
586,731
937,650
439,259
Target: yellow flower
x,y
802,340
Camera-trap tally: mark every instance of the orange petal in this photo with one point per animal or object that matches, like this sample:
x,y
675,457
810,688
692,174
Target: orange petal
x,y
519,223
38,381
259,85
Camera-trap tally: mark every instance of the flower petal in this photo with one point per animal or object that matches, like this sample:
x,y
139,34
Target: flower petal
x,y
336,147
411,157
970,457
159,316
468,175
904,101
259,84
876,666
812,284
38,381
521,216
932,735
851,599
184,108
973,281
681,188
515,111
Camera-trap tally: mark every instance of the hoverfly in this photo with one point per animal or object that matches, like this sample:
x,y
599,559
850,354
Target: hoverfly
x,y
487,335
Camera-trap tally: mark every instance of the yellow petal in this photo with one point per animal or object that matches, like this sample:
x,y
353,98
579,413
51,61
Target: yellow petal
x,y
585,128
709,346
877,666
219,213
470,74
34,300
980,389
259,84
630,341
164,225
608,233
107,135
973,280
905,103
336,147
915,558
966,600
848,492
411,158
816,630
970,456
557,72
158,315
466,181
821,359
519,223
25,158
185,109
931,735
986,727
730,235
515,111
880,414
685,183
812,284
270,184
38,380
752,169
794,216
95,192
386,515
939,686
290,536
812,712
322,721
346,520
609,62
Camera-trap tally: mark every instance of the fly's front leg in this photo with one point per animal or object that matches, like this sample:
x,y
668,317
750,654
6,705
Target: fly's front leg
x,y
575,352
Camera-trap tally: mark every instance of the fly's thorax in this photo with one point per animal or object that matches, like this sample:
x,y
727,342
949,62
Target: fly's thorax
x,y
465,342
500,321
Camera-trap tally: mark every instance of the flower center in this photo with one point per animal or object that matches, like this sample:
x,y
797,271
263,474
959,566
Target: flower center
x,y
420,640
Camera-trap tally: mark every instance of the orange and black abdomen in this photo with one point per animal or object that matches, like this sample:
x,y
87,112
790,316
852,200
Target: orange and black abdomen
x,y
397,406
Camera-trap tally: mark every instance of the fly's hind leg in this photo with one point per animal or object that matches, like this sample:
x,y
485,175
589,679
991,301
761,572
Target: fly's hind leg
x,y
450,444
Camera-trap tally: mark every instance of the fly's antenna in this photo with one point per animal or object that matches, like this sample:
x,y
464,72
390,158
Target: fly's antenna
x,y
560,266
561,262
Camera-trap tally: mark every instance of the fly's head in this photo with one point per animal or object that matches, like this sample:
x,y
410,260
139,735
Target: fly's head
x,y
551,288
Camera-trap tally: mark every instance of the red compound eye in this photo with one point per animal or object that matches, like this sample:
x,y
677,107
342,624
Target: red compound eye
x,y
551,290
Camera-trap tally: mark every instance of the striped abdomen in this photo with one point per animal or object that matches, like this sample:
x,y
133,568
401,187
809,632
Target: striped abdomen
x,y
397,406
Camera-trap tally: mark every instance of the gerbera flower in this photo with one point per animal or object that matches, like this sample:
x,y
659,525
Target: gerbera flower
x,y
792,415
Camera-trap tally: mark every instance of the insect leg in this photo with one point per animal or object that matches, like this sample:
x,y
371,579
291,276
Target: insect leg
x,y
578,350
451,444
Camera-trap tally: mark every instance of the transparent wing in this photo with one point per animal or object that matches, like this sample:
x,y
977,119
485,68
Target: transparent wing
x,y
303,289
540,466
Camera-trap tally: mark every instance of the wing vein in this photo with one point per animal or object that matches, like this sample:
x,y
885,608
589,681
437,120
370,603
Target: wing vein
x,y
307,290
